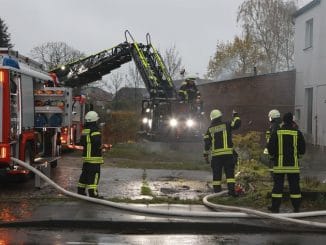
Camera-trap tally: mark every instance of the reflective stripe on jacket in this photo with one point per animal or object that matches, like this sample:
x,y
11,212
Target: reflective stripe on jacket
x,y
91,140
285,146
218,138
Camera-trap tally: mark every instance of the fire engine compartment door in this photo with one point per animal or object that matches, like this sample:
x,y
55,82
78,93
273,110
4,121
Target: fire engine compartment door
x,y
27,102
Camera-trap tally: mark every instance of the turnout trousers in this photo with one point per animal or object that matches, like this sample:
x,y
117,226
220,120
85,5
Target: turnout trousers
x,y
89,178
277,192
219,163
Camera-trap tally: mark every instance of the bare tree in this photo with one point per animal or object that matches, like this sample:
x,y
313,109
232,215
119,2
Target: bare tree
x,y
116,81
53,54
102,84
270,25
287,38
173,62
133,77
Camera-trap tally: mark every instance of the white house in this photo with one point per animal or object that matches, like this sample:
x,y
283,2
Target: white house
x,y
310,63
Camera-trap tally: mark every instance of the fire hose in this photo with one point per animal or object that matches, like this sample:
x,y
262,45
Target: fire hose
x,y
234,212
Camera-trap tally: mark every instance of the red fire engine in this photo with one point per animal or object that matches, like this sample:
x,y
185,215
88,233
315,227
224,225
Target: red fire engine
x,y
71,131
37,116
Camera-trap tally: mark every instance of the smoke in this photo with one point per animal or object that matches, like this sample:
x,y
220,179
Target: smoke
x,y
189,151
228,70
225,74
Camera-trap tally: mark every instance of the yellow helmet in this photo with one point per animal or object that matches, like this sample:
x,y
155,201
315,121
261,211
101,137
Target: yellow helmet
x,y
91,116
215,114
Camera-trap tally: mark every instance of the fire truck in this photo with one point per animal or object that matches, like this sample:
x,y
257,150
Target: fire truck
x,y
164,117
37,115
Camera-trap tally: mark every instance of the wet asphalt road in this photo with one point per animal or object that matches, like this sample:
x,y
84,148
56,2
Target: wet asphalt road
x,y
115,182
18,199
89,237
118,182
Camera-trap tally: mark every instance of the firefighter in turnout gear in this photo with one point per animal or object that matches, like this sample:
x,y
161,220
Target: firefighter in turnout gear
x,y
182,92
192,90
188,91
285,146
274,118
92,156
218,142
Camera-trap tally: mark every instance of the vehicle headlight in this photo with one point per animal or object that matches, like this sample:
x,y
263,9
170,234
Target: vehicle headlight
x,y
190,123
173,122
147,110
145,120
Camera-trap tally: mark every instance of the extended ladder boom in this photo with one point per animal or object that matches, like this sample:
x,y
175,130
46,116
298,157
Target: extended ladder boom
x,y
93,67
148,62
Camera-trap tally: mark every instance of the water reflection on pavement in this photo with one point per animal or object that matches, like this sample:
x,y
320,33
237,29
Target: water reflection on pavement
x,y
39,236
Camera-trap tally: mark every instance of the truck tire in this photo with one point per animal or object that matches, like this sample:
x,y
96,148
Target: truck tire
x,y
54,164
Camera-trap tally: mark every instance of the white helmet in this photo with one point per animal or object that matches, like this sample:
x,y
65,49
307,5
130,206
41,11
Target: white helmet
x,y
273,114
191,78
215,114
91,116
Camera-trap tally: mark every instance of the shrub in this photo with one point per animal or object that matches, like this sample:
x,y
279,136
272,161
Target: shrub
x,y
248,145
122,126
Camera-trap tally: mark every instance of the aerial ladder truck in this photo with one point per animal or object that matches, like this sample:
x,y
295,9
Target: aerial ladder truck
x,y
163,116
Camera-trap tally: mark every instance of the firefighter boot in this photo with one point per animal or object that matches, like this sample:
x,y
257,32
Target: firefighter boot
x,y
81,191
217,188
276,203
296,204
93,193
231,187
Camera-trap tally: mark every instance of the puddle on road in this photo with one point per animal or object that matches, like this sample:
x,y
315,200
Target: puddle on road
x,y
15,211
187,190
168,178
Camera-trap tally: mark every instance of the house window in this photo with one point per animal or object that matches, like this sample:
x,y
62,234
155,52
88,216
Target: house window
x,y
309,101
309,33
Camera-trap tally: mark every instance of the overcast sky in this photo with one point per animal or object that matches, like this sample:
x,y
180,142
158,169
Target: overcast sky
x,y
193,26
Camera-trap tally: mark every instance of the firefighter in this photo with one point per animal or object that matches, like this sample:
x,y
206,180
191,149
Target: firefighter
x,y
188,90
285,146
274,117
182,92
192,89
218,142
275,120
92,156
294,124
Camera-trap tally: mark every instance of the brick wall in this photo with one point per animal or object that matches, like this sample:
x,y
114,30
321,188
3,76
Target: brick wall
x,y
253,97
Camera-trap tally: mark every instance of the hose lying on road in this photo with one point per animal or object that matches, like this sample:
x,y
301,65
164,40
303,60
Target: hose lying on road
x,y
278,217
244,212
